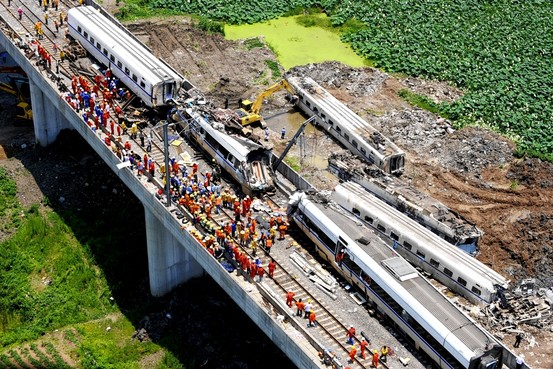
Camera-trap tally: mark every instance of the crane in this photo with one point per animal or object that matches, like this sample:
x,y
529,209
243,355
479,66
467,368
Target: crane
x,y
249,111
292,142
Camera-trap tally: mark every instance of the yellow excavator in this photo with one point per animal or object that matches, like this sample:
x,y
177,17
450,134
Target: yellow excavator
x,y
249,111
19,87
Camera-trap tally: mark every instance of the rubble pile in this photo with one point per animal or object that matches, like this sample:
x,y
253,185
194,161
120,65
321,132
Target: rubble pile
x,y
436,91
519,311
356,81
413,129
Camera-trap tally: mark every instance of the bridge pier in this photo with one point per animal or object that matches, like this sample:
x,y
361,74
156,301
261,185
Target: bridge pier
x,y
169,263
48,120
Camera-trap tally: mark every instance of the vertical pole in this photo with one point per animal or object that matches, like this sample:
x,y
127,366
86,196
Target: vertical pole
x,y
167,169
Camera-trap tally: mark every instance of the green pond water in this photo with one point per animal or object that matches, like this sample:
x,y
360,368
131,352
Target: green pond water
x,y
297,45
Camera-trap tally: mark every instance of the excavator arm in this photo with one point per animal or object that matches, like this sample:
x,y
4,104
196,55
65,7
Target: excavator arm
x,y
256,107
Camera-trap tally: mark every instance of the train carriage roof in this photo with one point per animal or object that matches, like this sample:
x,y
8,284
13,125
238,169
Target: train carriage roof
x,y
133,55
343,116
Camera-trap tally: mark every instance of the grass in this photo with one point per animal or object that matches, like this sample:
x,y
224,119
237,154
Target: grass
x,y
253,42
274,67
52,279
422,102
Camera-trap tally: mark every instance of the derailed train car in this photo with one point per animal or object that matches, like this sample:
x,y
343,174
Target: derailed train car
x,y
244,160
454,268
416,308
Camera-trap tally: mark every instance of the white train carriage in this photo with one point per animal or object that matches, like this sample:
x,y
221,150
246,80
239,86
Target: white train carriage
x,y
416,308
417,205
245,160
150,78
356,134
454,268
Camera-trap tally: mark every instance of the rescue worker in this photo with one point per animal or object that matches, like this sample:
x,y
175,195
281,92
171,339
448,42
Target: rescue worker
x,y
290,298
312,318
363,345
282,133
375,359
307,309
384,353
352,353
268,245
282,231
300,306
272,267
350,334
260,273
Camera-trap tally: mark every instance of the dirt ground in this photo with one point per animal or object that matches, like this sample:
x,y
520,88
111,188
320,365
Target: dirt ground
x,y
472,170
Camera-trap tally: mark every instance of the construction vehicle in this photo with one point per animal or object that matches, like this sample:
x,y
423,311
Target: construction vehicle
x,y
249,111
19,87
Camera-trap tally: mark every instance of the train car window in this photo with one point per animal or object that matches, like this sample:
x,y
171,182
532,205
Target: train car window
x,y
112,58
434,263
210,140
421,254
369,219
134,78
323,116
448,272
351,265
346,136
119,64
105,52
356,212
407,245
371,156
224,152
476,291
381,228
85,34
338,129
99,45
142,84
363,151
354,143
92,41
127,70
307,103
322,236
330,122
462,281
79,29
315,110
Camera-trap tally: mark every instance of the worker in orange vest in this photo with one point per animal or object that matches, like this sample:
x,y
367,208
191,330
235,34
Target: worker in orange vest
x,y
268,245
282,230
290,298
272,267
352,353
363,344
375,359
300,305
312,318
350,334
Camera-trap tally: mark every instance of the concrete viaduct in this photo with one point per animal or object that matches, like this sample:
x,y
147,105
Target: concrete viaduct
x,y
174,255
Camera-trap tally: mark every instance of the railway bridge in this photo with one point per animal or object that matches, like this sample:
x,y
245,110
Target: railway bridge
x,y
174,255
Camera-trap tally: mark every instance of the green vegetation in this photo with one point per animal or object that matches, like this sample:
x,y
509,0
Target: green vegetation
x,y
49,283
253,42
211,26
499,51
423,102
275,69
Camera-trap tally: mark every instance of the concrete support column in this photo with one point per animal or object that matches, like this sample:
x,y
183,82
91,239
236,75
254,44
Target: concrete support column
x,y
169,263
48,120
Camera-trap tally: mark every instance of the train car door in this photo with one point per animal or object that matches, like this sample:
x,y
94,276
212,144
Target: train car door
x,y
168,91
